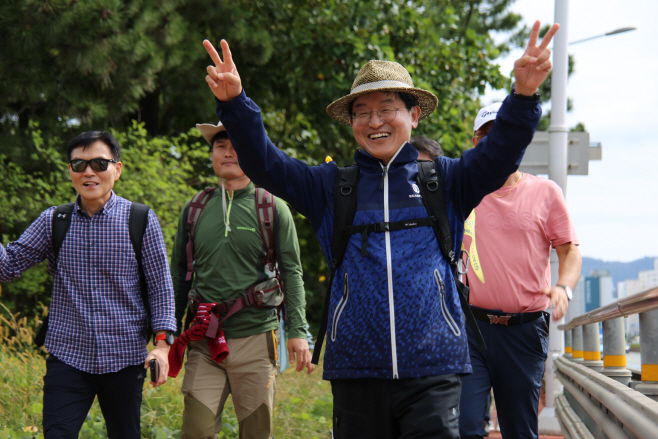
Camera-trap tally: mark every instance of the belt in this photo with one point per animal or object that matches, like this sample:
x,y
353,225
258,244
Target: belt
x,y
505,319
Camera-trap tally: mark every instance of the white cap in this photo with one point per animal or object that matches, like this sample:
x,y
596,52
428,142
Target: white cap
x,y
486,114
209,130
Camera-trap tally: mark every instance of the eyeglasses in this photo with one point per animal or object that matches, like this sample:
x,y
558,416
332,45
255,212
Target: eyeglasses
x,y
386,114
98,165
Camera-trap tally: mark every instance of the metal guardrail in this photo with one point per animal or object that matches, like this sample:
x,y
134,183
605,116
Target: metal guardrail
x,y
602,398
638,303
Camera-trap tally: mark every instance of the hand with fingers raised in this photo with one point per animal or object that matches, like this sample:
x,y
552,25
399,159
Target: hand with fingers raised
x,y
223,78
531,70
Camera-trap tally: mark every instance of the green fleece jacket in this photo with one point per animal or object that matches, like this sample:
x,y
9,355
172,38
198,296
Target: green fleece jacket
x,y
228,262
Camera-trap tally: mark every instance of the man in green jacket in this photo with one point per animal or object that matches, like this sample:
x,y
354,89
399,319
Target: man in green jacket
x,y
228,259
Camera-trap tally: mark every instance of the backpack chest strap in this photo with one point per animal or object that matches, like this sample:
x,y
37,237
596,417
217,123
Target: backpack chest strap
x,y
367,229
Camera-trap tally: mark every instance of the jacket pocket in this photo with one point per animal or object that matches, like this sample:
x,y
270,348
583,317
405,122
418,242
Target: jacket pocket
x,y
340,307
444,308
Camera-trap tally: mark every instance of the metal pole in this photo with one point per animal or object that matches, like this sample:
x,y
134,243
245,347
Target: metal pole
x,y
567,344
557,171
614,351
649,354
557,130
592,347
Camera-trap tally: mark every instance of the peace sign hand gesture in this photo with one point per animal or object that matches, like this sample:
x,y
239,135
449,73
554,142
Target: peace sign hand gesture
x,y
223,78
533,67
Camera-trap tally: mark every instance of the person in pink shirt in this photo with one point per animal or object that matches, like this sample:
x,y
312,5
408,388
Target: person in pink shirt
x,y
508,239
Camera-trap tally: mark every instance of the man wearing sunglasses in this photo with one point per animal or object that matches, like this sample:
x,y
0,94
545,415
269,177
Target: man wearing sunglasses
x,y
97,316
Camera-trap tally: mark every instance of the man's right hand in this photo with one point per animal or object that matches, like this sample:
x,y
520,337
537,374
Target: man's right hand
x,y
223,78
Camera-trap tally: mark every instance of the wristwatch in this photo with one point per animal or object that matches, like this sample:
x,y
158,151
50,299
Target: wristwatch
x,y
167,336
566,290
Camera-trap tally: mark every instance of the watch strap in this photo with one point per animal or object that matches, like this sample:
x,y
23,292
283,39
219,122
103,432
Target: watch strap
x,y
166,336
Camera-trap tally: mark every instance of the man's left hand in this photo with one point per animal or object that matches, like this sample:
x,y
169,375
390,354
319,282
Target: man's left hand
x,y
533,67
161,355
298,350
559,301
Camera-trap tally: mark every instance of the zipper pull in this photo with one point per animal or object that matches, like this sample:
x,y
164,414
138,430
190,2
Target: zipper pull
x,y
381,183
437,277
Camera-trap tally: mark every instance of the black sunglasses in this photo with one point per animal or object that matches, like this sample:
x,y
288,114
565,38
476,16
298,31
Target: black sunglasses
x,y
98,165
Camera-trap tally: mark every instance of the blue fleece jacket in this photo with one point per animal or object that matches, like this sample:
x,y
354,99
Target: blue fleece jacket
x,y
394,313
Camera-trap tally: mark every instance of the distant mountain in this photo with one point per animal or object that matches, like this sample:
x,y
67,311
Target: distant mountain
x,y
619,271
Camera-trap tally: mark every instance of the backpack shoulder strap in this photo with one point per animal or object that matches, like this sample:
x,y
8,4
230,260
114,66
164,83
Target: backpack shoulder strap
x,y
60,226
347,181
431,189
266,213
194,209
345,200
137,222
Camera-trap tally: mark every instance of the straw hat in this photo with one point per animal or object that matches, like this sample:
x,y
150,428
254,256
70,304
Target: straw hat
x,y
208,130
386,76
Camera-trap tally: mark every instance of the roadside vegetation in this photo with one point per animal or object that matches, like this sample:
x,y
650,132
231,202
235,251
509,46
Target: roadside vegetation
x,y
303,402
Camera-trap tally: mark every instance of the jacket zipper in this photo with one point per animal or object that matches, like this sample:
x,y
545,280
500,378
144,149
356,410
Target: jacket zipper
x,y
340,307
389,274
444,308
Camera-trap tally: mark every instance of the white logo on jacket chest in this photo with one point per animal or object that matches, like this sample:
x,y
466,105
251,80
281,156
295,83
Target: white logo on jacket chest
x,y
416,189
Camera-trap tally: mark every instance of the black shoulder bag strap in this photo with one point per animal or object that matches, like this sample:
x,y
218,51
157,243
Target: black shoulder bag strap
x,y
60,226
347,181
432,192
137,221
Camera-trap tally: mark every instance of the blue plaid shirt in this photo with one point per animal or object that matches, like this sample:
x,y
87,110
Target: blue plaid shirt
x,y
96,314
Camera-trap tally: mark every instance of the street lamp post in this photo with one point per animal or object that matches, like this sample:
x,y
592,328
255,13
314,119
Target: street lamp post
x,y
612,32
557,171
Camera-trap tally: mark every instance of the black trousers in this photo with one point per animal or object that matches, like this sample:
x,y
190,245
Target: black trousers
x,y
68,394
415,408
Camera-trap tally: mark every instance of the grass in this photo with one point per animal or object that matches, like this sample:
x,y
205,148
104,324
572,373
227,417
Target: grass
x,y
303,402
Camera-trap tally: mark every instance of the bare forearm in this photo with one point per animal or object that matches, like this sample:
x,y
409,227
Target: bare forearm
x,y
570,262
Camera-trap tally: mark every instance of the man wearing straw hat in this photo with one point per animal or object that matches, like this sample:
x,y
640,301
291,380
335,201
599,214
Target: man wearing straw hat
x,y
396,344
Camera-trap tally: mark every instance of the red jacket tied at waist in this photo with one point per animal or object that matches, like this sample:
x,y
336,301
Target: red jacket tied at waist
x,y
197,331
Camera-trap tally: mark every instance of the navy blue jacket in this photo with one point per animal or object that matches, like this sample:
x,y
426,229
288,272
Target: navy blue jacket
x,y
394,313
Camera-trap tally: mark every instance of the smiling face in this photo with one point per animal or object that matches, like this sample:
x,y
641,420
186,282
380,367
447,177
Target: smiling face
x,y
94,187
382,139
225,160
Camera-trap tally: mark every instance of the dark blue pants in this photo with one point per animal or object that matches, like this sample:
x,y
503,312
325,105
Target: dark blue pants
x,y
418,408
68,394
513,365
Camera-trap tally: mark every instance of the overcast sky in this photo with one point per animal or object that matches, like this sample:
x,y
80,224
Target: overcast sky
x,y
614,91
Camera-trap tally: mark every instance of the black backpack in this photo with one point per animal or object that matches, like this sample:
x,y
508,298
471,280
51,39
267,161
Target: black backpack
x,y
431,190
137,220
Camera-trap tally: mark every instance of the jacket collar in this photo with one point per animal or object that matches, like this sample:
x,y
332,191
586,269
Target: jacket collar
x,y
406,154
241,193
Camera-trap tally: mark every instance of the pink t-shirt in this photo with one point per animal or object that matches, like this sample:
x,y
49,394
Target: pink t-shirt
x,y
509,257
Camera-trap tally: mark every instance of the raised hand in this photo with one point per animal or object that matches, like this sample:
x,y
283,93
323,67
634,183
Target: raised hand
x,y
533,67
223,78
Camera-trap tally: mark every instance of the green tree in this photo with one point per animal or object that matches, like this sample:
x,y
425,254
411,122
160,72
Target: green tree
x,y
98,64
